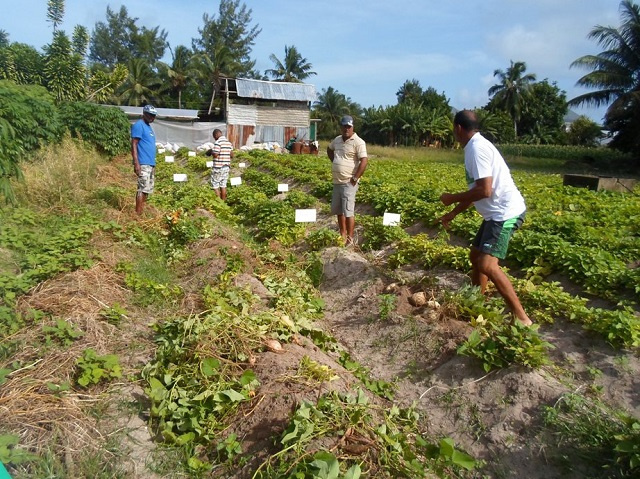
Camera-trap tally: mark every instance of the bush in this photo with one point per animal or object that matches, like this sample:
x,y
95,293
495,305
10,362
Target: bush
x,y
107,128
28,120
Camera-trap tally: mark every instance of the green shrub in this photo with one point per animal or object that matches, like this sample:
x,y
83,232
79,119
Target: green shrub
x,y
106,128
570,153
28,120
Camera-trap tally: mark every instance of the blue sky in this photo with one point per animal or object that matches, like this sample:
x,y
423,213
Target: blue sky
x,y
366,49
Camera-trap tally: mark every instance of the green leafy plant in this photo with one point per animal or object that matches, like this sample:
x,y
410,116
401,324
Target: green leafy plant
x,y
93,368
10,453
599,436
323,238
108,129
63,333
114,314
500,343
387,305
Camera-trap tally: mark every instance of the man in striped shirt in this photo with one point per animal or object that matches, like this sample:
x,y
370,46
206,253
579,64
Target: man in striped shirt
x,y
222,153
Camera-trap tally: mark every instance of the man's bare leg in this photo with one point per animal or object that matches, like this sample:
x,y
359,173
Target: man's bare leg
x,y
342,226
488,265
350,225
477,278
140,200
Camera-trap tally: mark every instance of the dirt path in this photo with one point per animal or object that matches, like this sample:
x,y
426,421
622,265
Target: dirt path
x,y
495,417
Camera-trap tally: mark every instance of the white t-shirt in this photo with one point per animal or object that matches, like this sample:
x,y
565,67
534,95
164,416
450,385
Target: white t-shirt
x,y
481,160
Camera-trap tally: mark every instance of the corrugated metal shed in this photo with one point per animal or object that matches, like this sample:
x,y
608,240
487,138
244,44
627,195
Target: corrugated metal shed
x,y
272,90
166,113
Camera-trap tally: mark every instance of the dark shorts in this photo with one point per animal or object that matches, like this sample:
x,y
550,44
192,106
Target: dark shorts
x,y
493,236
343,200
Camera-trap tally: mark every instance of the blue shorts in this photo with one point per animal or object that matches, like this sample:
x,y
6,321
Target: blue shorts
x,y
493,236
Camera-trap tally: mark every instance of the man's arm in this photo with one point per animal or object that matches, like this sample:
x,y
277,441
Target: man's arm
x,y
134,154
330,153
361,167
481,189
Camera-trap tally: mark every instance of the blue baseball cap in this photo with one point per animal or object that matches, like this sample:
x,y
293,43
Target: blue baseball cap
x,y
346,120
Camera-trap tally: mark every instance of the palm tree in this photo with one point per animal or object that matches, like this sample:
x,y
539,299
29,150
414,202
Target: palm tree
x,y
616,76
141,84
295,68
512,91
330,106
210,67
179,72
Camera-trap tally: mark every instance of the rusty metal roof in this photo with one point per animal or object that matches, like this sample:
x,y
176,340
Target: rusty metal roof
x,y
274,90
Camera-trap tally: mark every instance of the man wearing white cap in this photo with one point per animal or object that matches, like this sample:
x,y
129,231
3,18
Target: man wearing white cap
x,y
143,151
348,155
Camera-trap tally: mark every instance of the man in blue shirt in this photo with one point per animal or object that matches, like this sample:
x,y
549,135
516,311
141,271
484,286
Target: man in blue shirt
x,y
143,151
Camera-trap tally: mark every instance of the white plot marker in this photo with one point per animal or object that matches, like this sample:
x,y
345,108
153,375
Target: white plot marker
x,y
391,219
306,216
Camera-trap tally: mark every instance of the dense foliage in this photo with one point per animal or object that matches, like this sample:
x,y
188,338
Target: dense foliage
x,y
105,128
28,119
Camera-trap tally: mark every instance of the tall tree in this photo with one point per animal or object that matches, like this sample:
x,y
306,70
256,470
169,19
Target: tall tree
x,y
64,70
180,73
141,86
230,29
512,91
616,77
55,12
26,63
120,39
542,119
410,91
294,68
330,106
211,66
4,38
80,40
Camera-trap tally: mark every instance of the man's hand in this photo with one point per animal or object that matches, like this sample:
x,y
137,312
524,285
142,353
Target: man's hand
x,y
136,168
447,199
446,219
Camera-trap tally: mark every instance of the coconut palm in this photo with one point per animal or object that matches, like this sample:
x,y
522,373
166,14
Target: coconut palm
x,y
512,91
179,73
141,85
294,68
330,107
616,76
211,66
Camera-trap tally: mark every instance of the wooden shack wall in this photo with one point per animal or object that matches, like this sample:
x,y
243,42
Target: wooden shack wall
x,y
278,120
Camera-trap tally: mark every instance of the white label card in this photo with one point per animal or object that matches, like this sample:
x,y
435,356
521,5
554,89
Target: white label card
x,y
168,159
242,165
209,164
282,187
179,177
391,219
161,151
235,181
306,216
192,153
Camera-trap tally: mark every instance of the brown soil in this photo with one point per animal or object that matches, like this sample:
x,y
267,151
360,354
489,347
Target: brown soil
x,y
495,417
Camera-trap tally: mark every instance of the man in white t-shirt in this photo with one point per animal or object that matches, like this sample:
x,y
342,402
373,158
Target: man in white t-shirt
x,y
348,155
497,199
